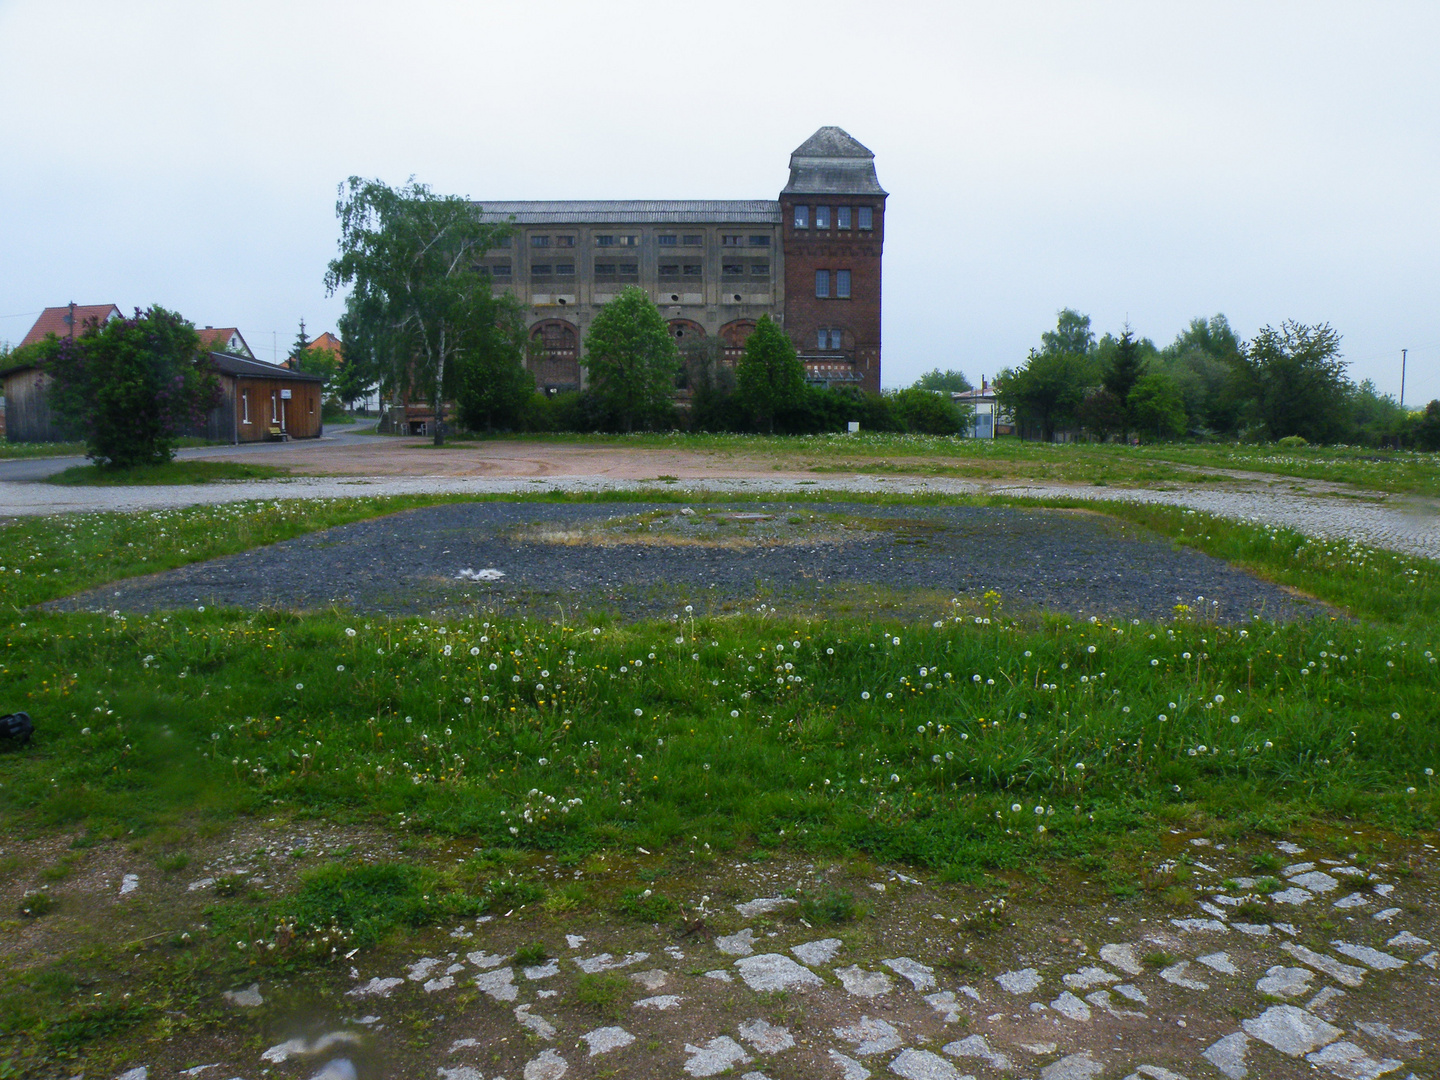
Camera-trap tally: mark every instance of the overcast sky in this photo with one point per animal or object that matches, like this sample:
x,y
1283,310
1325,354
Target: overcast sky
x,y
1152,161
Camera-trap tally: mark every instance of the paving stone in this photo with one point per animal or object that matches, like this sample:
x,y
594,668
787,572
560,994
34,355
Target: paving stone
x,y
128,884
660,1002
1297,868
606,962
870,1036
1154,1072
605,1039
1087,977
420,970
762,906
1344,974
139,1073
817,952
1067,1004
1252,929
920,976
543,971
484,960
1079,1066
461,1072
1293,897
651,980
1372,958
1228,1055
945,1004
1134,993
444,982
376,987
923,1065
1122,957
337,1069
975,1046
537,1024
1176,975
574,940
499,984
1289,849
1317,881
1354,900
850,1069
1019,982
1429,960
1348,1061
1220,962
766,1038
753,1076
248,998
1406,939
738,944
861,983
548,1066
1038,1049
1200,926
715,1057
302,1047
1290,1030
773,971
719,975
1324,1003
1385,1031
1386,915
1284,982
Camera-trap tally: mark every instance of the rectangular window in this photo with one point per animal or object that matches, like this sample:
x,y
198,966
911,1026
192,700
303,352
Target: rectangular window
x,y
564,241
842,217
692,269
669,269
802,217
245,406
539,241
759,241
694,240
604,269
822,217
629,241
759,269
842,284
733,269
604,241
565,269
822,283
730,240
835,337
503,242
667,239
866,217
629,269
500,270
822,339
542,270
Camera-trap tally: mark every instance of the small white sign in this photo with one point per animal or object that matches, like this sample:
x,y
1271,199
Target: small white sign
x,y
854,424
284,395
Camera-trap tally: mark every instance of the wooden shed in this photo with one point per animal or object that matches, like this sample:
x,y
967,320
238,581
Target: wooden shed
x,y
260,401
27,407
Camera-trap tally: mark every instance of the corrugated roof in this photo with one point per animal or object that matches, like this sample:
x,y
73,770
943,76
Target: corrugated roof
x,y
832,162
56,320
257,369
634,211
832,142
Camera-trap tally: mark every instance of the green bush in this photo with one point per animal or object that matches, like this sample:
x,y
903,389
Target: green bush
x,y
1292,442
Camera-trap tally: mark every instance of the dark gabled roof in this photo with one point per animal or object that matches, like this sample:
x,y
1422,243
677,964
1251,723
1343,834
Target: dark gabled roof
x,y
56,320
257,369
634,211
832,162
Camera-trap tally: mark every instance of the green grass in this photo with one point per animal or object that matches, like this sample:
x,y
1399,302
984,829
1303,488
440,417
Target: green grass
x,y
184,471
39,449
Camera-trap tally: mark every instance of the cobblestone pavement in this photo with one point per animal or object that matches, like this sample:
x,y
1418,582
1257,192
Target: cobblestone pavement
x,y
1325,968
1412,527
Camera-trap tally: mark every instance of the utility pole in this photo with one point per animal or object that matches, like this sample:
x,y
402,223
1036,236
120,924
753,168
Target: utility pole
x,y
1402,376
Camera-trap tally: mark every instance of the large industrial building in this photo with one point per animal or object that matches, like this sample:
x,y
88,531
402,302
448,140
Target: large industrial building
x,y
810,260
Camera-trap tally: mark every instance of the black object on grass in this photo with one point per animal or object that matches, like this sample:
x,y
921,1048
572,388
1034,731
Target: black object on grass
x,y
17,727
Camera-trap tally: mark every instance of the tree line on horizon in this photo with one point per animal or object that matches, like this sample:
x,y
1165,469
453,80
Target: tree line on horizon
x,y
1286,382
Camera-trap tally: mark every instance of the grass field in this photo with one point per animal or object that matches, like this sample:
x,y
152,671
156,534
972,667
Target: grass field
x,y
172,472
982,740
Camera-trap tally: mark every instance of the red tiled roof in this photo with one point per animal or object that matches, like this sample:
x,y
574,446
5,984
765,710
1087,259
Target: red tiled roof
x,y
327,341
56,320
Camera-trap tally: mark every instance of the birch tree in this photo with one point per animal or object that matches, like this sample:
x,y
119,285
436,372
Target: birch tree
x,y
409,258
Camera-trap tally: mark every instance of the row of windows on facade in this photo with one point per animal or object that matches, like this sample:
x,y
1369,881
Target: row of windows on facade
x,y
567,240
501,271
841,279
864,217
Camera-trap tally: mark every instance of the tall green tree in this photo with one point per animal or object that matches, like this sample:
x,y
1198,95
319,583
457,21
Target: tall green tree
x,y
1046,391
632,360
1120,372
928,412
493,388
1297,383
950,380
132,386
1072,335
769,378
1155,406
408,257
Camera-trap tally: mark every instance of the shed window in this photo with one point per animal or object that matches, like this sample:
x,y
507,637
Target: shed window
x,y
245,406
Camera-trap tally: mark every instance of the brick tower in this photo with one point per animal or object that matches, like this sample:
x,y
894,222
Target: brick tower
x,y
832,215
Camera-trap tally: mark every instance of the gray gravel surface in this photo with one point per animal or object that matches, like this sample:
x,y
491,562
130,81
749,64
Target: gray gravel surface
x,y
912,561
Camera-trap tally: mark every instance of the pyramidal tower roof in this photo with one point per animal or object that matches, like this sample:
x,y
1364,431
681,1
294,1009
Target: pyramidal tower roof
x,y
832,161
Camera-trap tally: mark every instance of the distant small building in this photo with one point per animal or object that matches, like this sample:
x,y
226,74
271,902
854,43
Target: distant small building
x,y
69,321
260,401
26,387
224,339
988,419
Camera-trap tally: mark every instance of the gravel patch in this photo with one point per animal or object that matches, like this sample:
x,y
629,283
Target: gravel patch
x,y
570,556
